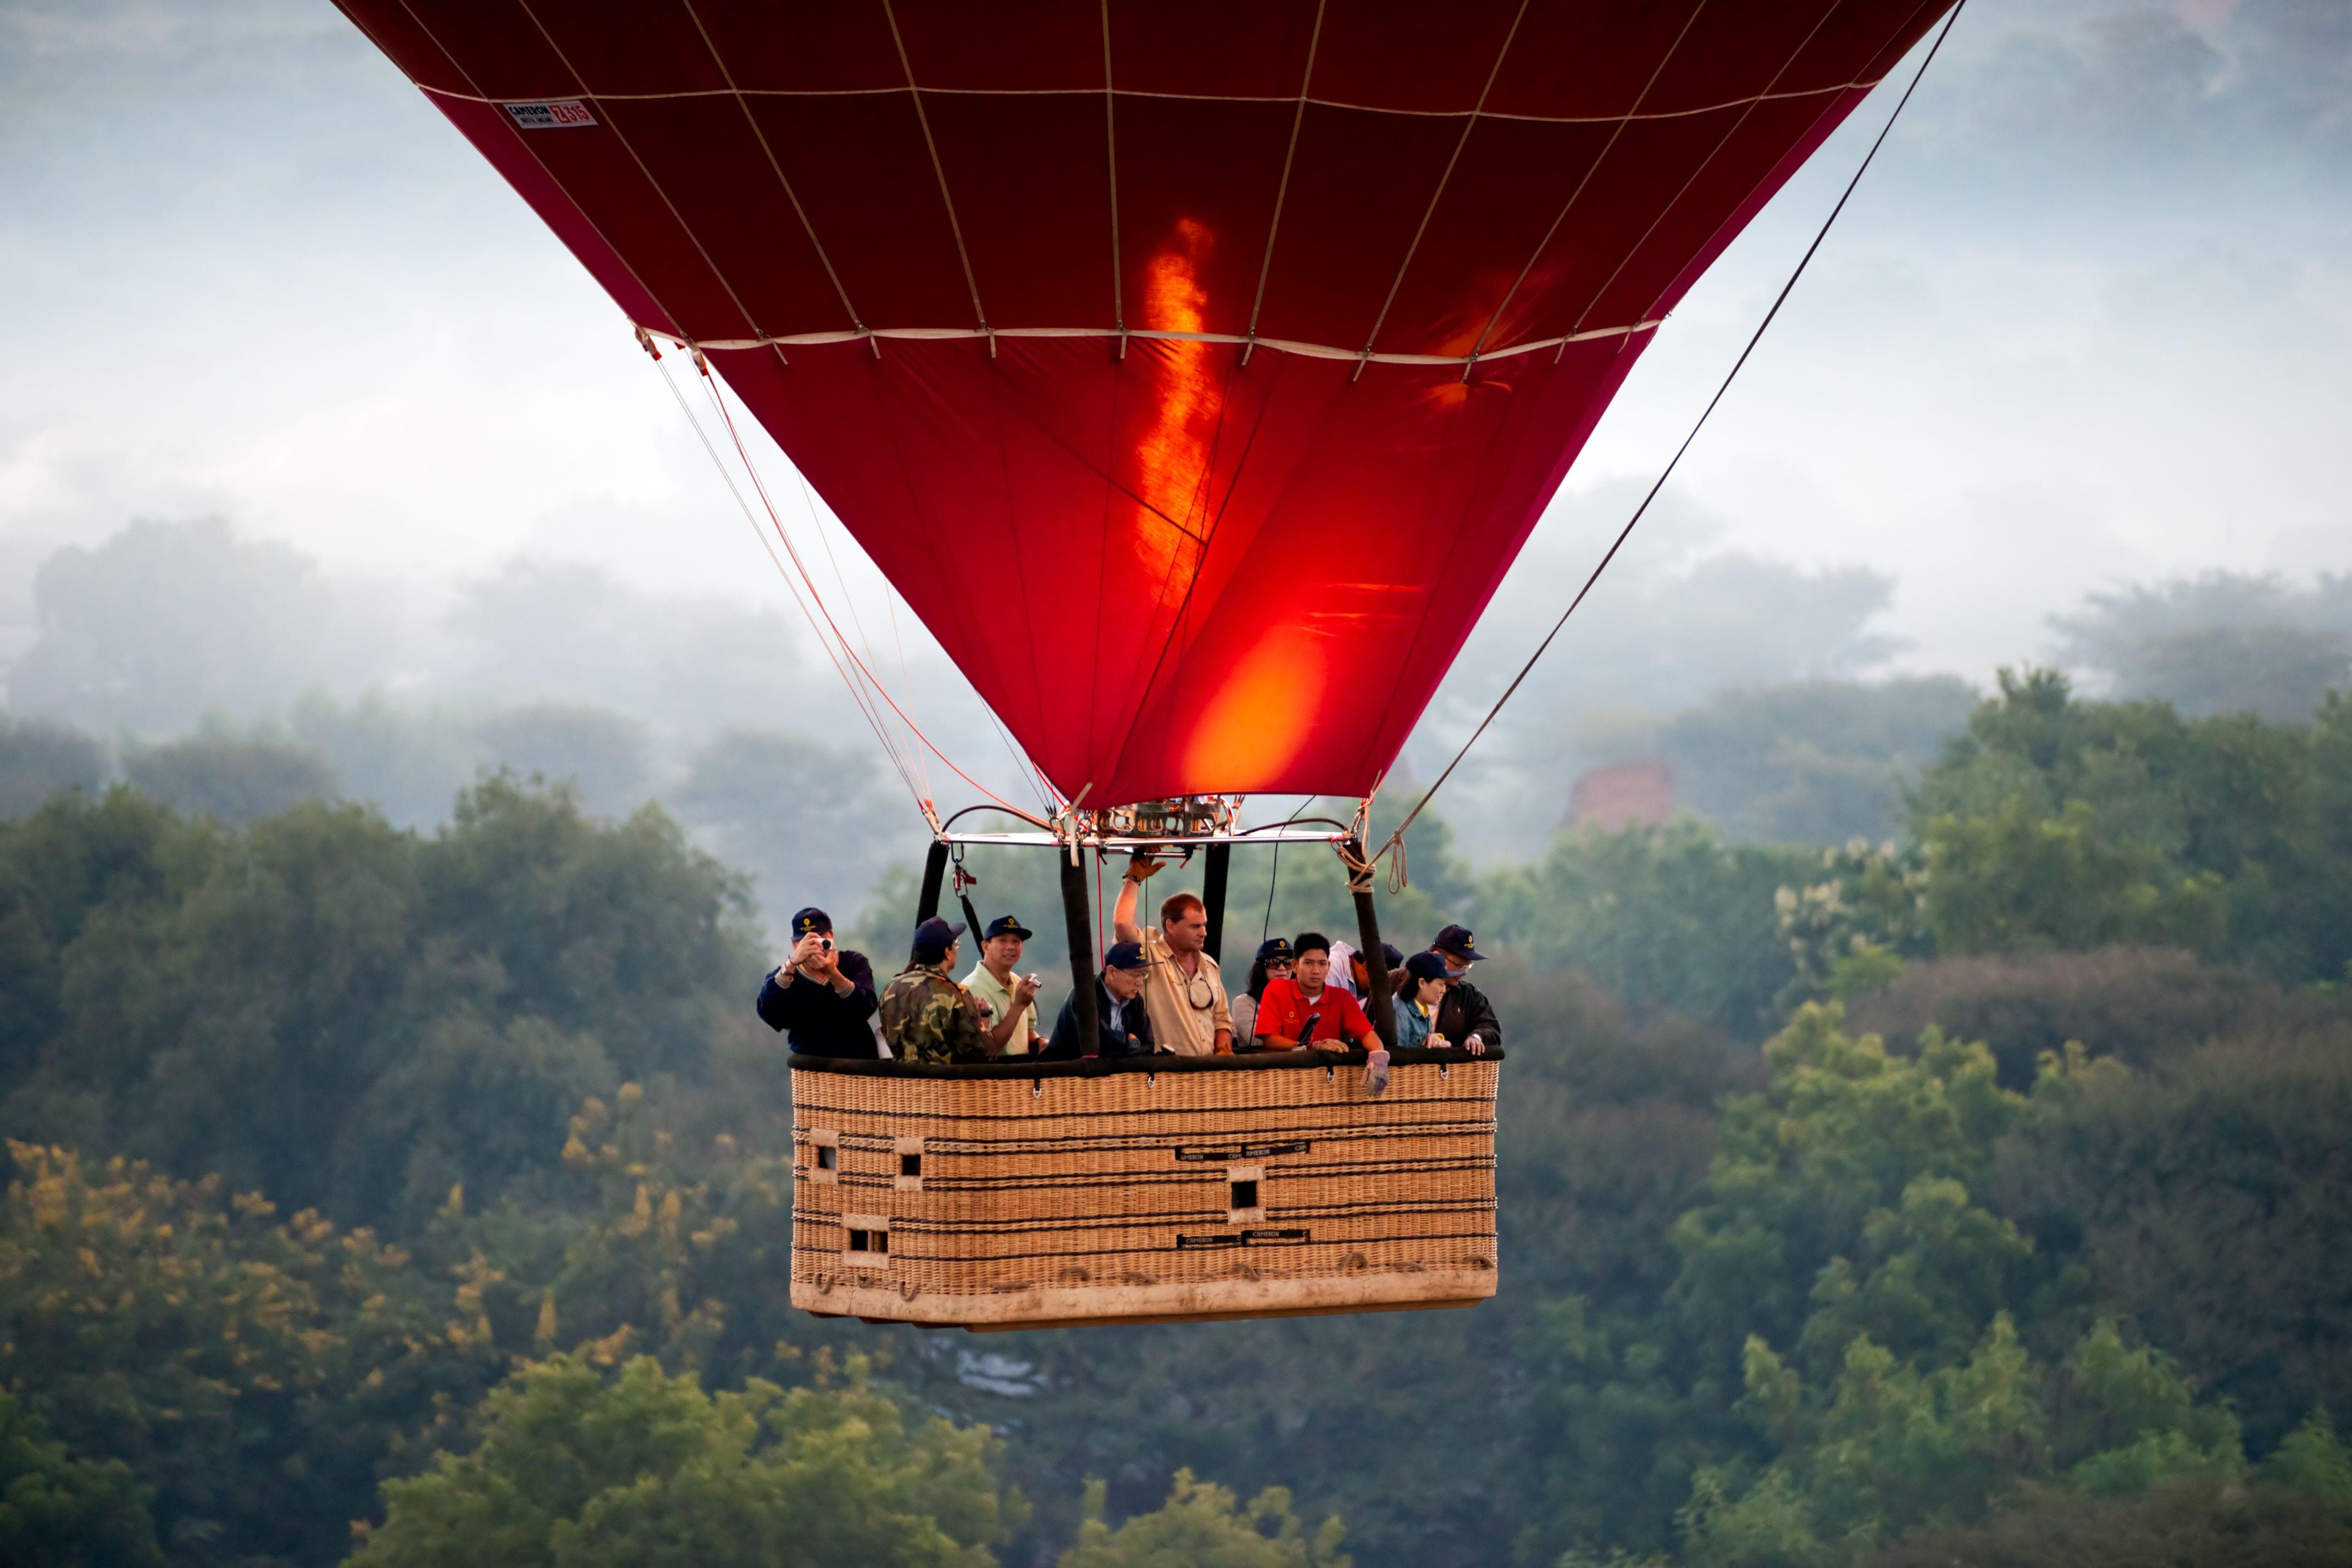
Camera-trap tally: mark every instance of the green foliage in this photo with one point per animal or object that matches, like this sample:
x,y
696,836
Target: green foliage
x,y
2059,823
429,1011
217,775
2019,879
2193,1520
1202,1525
253,1372
1809,761
1662,917
59,1511
1908,1395
2202,1204
576,1469
37,759
2314,1460
2145,1007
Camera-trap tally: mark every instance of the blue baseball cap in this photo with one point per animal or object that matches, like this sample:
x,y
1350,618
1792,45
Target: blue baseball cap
x,y
1454,943
1126,955
1005,926
935,934
1425,966
810,919
1273,949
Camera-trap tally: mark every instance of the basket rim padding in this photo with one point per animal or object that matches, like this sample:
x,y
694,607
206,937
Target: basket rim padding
x,y
1099,1067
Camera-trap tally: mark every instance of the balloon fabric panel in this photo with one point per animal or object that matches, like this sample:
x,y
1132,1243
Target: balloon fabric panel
x,y
1397,260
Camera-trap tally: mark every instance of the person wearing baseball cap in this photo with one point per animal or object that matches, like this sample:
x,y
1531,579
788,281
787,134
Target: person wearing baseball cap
x,y
821,998
1465,1018
1122,1019
927,1017
1420,997
1273,963
1009,999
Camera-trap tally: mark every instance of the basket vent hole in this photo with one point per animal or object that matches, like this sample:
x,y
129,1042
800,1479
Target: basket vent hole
x,y
911,1165
1246,1194
869,1242
827,1157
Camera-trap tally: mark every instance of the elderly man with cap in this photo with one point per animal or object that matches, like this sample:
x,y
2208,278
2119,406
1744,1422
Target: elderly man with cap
x,y
1009,999
1123,1021
821,998
1465,1016
928,1018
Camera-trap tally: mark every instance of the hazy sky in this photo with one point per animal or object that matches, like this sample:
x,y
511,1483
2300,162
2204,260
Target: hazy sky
x,y
2089,320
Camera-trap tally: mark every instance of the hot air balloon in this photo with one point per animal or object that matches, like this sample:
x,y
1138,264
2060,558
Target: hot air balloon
x,y
1243,344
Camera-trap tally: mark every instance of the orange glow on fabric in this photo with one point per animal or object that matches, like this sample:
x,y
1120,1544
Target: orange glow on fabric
x,y
1263,715
1172,455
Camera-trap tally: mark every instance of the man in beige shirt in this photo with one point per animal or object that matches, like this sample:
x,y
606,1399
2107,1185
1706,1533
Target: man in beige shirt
x,y
1184,991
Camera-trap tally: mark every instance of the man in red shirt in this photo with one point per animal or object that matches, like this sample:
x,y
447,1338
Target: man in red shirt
x,y
1283,1014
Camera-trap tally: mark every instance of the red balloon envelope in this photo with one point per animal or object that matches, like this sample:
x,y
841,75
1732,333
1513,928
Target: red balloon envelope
x,y
1194,369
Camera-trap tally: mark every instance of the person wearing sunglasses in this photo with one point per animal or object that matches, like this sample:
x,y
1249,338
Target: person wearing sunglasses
x,y
1273,963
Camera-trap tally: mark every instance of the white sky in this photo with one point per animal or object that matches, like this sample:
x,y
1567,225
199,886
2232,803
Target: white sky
x,y
255,275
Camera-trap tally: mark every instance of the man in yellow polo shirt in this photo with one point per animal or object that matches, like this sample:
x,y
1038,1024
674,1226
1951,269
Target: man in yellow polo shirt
x,y
1183,992
1012,998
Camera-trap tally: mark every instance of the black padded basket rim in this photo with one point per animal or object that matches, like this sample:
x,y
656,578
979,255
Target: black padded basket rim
x,y
1098,1067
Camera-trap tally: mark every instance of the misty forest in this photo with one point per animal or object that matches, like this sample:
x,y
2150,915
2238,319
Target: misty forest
x,y
1923,1140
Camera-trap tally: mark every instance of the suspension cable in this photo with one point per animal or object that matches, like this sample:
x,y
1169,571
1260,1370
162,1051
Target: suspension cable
x,y
857,695
1395,840
777,522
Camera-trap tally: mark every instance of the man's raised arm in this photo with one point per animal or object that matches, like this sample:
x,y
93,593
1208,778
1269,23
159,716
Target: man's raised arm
x,y
1124,926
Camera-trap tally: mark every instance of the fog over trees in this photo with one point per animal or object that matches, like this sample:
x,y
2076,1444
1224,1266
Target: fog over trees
x,y
1924,1146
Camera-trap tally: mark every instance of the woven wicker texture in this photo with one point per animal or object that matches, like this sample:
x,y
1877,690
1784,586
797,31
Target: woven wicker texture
x,y
996,1202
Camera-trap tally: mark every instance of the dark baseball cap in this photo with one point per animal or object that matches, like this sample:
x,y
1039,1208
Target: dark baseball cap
x,y
810,919
1389,951
1273,949
1425,966
1126,955
938,933
1005,926
1455,942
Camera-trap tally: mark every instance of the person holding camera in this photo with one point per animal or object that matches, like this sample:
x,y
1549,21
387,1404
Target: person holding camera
x,y
821,998
1008,1001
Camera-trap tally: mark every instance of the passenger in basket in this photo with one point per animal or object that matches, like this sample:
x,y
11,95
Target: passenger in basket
x,y
1272,964
1362,972
927,1017
1184,990
1010,999
1467,1018
1421,991
1122,1018
821,998
1308,1010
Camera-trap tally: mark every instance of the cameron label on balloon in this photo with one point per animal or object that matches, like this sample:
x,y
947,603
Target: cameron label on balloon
x,y
554,115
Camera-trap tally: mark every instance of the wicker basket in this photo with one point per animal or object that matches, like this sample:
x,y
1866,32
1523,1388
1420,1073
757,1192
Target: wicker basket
x,y
1161,1190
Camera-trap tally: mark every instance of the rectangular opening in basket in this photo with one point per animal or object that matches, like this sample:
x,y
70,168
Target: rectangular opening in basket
x,y
1244,1195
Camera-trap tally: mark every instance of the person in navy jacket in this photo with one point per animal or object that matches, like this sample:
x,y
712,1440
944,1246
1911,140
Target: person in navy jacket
x,y
822,996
